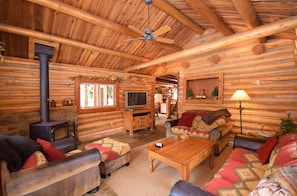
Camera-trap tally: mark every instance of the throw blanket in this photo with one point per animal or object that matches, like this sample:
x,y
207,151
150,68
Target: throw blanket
x,y
212,116
15,150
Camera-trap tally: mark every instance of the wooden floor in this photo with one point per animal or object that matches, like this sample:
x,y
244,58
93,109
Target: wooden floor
x,y
144,136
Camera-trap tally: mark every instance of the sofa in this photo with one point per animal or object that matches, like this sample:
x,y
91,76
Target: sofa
x,y
205,124
255,167
32,168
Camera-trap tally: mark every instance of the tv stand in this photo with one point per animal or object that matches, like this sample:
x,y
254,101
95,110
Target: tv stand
x,y
136,119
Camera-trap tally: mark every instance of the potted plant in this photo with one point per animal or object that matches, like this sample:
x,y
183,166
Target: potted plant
x,y
215,92
190,93
1,52
287,125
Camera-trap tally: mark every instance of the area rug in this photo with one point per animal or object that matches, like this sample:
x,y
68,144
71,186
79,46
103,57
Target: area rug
x,y
137,180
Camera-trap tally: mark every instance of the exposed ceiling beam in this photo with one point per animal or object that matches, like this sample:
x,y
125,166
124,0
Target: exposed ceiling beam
x,y
94,19
248,14
256,33
170,10
70,42
210,16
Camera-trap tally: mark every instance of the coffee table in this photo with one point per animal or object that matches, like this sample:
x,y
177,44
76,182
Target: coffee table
x,y
182,153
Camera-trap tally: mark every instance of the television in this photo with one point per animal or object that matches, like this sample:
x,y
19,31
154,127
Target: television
x,y
135,99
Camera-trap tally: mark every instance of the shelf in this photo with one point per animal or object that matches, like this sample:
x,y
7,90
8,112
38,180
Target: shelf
x,y
70,107
204,85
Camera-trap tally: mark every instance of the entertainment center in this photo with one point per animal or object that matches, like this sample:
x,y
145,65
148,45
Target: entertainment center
x,y
136,119
137,115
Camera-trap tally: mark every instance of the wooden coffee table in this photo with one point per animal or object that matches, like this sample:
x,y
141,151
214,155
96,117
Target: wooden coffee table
x,y
182,154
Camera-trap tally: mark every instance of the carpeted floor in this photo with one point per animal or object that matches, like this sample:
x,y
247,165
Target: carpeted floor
x,y
140,137
136,179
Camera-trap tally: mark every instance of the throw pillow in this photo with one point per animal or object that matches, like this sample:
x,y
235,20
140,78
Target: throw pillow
x,y
198,123
186,119
51,153
265,150
283,181
36,159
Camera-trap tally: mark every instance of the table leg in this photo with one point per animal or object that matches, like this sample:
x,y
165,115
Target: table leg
x,y
151,161
185,172
211,158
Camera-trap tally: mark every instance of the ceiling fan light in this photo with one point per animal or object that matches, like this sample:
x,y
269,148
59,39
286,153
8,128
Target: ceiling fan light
x,y
148,2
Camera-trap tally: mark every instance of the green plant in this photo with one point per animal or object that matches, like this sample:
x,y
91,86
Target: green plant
x,y
287,125
189,93
158,91
215,92
1,52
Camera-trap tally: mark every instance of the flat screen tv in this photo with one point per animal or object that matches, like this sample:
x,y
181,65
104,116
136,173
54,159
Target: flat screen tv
x,y
135,99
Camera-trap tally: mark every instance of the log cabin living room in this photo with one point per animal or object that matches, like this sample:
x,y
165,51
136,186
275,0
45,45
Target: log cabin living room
x,y
148,97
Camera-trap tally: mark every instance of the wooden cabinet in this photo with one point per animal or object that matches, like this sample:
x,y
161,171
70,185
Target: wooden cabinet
x,y
199,89
136,119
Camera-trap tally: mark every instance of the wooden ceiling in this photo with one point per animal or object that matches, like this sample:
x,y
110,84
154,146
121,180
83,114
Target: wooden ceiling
x,y
95,33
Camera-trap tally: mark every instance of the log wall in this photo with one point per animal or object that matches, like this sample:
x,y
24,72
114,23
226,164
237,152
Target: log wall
x,y
19,97
270,79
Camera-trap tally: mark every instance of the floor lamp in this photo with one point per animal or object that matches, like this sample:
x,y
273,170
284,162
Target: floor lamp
x,y
240,95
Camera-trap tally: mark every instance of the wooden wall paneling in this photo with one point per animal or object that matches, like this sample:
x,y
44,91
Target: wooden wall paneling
x,y
269,78
19,97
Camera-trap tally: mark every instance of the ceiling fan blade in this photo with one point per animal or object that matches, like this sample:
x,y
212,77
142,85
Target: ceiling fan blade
x,y
164,40
132,39
136,30
161,31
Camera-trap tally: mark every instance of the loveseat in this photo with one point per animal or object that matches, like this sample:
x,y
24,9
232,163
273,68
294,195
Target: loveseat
x,y
253,168
205,124
26,169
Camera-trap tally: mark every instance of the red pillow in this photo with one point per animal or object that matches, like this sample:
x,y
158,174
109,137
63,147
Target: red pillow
x,y
51,153
36,159
265,150
187,119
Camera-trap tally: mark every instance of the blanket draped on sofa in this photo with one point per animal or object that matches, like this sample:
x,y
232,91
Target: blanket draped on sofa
x,y
15,150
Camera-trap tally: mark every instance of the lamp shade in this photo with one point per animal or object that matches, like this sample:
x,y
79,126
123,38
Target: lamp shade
x,y
240,95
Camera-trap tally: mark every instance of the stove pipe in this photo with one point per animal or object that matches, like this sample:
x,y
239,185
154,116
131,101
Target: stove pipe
x,y
44,53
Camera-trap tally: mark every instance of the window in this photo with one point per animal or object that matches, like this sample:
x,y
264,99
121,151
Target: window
x,y
92,95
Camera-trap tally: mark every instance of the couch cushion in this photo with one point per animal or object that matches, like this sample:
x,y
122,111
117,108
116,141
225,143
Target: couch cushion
x,y
36,159
199,124
265,150
51,153
287,138
198,133
187,118
247,157
235,172
286,154
180,129
283,181
222,187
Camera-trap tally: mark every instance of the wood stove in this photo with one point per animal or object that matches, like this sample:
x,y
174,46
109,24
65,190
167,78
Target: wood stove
x,y
46,129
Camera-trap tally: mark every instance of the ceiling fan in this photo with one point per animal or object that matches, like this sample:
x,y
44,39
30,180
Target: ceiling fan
x,y
150,34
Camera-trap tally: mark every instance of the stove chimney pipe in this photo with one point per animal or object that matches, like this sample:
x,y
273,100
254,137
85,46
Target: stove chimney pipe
x,y
44,53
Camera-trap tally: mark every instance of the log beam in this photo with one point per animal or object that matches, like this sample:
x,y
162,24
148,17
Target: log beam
x,y
170,10
248,14
256,33
70,42
210,16
94,19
